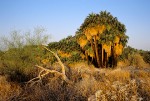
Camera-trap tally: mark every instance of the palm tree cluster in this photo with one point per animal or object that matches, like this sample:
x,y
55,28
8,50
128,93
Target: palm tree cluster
x,y
102,38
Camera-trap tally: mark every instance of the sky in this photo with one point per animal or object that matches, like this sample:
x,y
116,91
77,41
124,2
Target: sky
x,y
62,18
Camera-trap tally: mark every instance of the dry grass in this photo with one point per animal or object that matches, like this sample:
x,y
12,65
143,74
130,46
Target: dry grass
x,y
8,90
120,84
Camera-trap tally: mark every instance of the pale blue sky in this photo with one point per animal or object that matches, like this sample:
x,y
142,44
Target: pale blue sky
x,y
62,17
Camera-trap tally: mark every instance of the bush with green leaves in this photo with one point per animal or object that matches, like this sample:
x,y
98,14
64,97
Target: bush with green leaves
x,y
68,45
135,57
21,54
126,52
146,56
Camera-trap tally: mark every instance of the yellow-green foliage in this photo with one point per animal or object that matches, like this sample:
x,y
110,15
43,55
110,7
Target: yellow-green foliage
x,y
19,63
116,40
82,56
107,49
64,54
118,48
93,31
136,60
101,29
90,52
82,41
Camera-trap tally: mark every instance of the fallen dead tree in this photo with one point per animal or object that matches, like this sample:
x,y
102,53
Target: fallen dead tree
x,y
43,71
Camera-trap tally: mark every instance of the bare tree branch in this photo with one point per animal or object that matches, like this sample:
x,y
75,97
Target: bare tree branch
x,y
45,71
58,59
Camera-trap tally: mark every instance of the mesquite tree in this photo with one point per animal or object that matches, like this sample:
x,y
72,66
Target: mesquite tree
x,y
102,38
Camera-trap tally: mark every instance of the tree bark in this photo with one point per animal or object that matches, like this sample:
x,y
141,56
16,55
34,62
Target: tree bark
x,y
96,51
102,55
112,56
94,61
115,60
92,45
105,59
86,56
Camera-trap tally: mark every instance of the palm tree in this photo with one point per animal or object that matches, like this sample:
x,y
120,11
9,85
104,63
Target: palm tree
x,y
103,36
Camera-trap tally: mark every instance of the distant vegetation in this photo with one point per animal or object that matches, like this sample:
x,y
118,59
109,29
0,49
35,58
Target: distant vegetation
x,y
95,63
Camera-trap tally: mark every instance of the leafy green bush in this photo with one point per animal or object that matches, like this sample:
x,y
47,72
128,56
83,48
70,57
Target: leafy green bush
x,y
68,45
126,52
146,56
136,60
19,63
21,54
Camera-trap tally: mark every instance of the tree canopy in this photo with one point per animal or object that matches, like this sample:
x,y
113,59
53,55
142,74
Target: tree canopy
x,y
103,38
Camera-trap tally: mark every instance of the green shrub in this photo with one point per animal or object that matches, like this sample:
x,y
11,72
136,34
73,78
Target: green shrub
x,y
19,63
136,60
146,56
21,54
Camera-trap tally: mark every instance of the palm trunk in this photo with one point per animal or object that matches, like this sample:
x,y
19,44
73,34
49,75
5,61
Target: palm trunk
x,y
115,61
96,51
102,56
92,45
105,59
112,56
86,56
